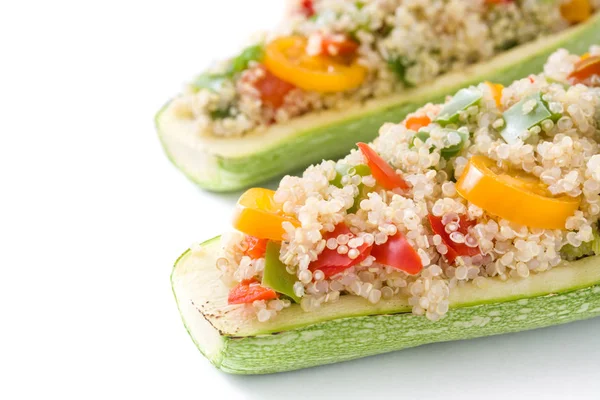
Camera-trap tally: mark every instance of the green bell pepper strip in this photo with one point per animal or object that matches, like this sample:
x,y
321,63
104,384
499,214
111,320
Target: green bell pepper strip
x,y
446,152
421,135
347,170
517,122
462,100
452,151
275,276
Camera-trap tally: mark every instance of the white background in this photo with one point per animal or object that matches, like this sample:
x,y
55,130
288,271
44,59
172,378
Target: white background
x,y
93,215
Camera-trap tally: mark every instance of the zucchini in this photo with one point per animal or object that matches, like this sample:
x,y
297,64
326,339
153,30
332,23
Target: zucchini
x,y
352,328
225,164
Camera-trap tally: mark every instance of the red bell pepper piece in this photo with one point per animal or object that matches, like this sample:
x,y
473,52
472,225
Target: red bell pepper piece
x,y
248,291
454,249
256,247
398,253
381,170
330,262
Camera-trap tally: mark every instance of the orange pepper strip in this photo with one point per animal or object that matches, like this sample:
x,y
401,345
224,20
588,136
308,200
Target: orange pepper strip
x,y
415,123
257,214
496,89
517,197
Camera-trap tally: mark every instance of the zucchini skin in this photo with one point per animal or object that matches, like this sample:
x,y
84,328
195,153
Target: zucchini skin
x,y
352,338
343,130
349,338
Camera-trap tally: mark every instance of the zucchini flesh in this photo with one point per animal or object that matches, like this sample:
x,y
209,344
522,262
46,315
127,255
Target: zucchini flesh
x,y
225,164
352,328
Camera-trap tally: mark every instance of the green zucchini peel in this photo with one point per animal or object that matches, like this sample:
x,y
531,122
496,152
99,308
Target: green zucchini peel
x,y
352,328
227,164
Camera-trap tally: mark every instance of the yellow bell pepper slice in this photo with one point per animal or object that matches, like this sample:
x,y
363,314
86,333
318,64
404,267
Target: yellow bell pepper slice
x,y
515,196
286,58
257,214
496,89
576,10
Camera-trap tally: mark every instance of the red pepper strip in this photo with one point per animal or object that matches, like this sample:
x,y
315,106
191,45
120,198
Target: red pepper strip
x,y
399,254
454,249
248,291
256,247
307,8
381,170
330,262
334,47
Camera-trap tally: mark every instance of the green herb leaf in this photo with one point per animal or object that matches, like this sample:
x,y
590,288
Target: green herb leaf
x,y
208,81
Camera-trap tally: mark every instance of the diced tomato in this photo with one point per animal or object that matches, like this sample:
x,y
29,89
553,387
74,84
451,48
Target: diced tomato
x,y
398,253
499,1
381,170
272,89
307,8
454,249
330,262
585,68
338,45
256,247
415,123
248,291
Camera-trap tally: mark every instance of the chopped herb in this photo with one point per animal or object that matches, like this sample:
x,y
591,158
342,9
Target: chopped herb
x,y
507,45
399,65
220,113
208,81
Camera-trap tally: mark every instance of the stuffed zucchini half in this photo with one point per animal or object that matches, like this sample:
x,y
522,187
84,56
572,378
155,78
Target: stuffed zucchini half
x,y
338,70
474,217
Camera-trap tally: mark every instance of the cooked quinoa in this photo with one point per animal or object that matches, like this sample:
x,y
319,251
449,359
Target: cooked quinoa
x,y
563,153
399,43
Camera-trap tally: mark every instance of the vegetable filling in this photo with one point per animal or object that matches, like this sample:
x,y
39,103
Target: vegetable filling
x,y
403,217
330,53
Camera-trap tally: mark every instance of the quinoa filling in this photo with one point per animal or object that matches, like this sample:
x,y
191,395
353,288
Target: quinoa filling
x,y
331,53
497,182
